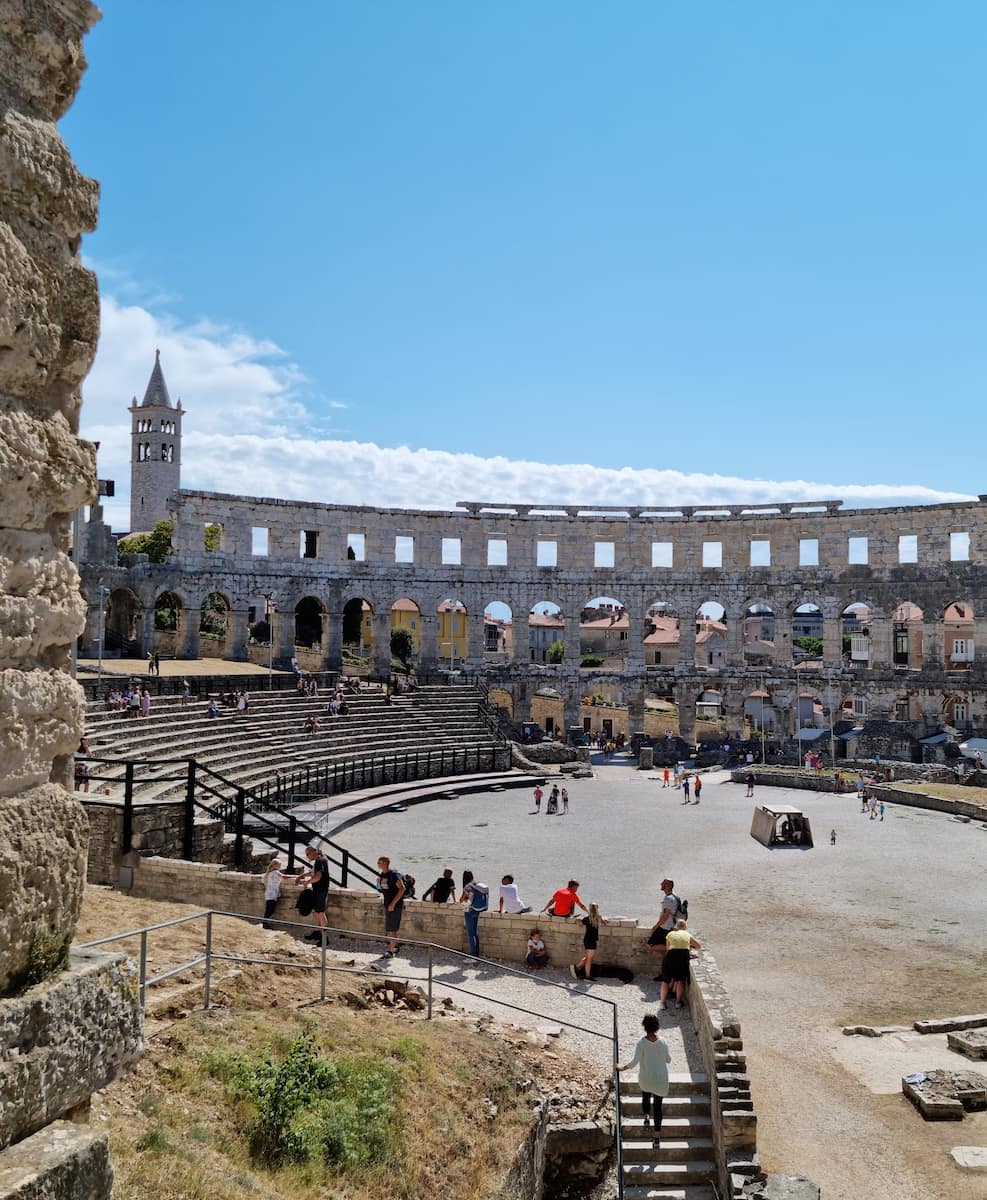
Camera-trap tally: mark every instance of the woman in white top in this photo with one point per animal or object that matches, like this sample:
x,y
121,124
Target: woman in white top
x,y
273,877
651,1057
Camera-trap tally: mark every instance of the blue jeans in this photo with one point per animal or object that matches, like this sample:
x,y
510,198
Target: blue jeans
x,y
472,921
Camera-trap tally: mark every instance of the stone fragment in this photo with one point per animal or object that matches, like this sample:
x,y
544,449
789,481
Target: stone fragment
x,y
970,1158
40,718
64,1161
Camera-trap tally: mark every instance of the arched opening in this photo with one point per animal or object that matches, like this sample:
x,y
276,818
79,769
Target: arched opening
x,y
759,634
760,715
711,635
546,631
168,624
122,625
214,626
603,632
604,716
907,639
358,635
310,625
548,711
807,635
855,626
711,721
958,636
661,637
498,633
406,632
453,639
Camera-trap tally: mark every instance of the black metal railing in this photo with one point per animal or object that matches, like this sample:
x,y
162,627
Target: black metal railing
x,y
98,687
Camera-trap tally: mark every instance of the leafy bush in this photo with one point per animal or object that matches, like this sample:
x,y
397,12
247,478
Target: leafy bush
x,y
556,652
303,1108
156,545
813,646
591,660
402,646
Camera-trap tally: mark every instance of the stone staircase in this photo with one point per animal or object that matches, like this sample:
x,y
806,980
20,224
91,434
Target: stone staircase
x,y
248,749
683,1167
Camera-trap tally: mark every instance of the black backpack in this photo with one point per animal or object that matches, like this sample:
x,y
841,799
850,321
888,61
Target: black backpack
x,y
682,913
409,887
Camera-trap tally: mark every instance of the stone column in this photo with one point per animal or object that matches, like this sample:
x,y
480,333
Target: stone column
x,y
880,641
685,698
522,640
474,640
283,633
147,629
784,655
932,645
334,641
687,644
86,1005
570,661
733,711
635,710
735,640
239,633
190,641
832,641
382,643
980,640
428,658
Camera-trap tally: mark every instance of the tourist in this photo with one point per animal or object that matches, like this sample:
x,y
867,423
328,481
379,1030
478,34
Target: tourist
x,y
880,809
134,703
82,767
393,888
241,704
273,877
150,663
311,723
476,897
591,939
186,693
685,787
538,795
651,1057
157,663
536,956
565,901
552,808
145,703
443,889
664,776
213,709
565,801
510,901
317,879
873,808
670,906
294,669
808,760
697,787
832,837
749,757
749,779
675,964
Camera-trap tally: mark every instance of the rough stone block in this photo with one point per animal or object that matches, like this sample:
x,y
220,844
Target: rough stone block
x,y
64,1039
45,467
39,905
62,1162
40,719
970,1158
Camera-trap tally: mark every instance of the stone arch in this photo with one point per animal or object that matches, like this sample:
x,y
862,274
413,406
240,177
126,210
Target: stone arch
x,y
604,630
807,631
546,628
661,635
761,717
358,634
169,623
215,613
310,624
908,636
452,639
711,718
548,709
406,614
498,632
856,619
959,635
758,633
603,711
711,633
122,614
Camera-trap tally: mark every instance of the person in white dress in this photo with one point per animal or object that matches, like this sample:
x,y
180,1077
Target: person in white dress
x,y
651,1057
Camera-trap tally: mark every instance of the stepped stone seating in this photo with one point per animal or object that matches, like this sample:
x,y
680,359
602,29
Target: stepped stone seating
x,y
249,748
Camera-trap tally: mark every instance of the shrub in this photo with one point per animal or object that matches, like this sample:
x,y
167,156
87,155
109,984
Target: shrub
x,y
591,660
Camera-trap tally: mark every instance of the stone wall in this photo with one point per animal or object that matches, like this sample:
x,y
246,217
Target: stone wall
x,y
65,1030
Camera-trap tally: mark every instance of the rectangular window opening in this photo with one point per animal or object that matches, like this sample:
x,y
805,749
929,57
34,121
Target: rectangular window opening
x,y
808,552
760,554
857,551
356,547
452,552
260,541
908,548
603,554
712,554
496,552
212,538
959,547
404,549
547,554
308,543
661,554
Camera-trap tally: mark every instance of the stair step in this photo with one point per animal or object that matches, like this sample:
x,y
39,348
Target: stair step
x,y
695,1192
679,1083
641,1149
665,1174
674,1106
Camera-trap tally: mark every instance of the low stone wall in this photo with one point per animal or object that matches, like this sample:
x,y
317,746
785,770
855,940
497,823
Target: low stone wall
x,y
809,781
721,1043
895,795
526,1178
623,941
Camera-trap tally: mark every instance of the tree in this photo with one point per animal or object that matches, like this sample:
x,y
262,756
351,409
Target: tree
x,y
402,647
813,646
156,544
211,537
556,652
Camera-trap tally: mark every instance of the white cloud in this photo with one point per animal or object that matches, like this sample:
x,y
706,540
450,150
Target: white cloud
x,y
253,429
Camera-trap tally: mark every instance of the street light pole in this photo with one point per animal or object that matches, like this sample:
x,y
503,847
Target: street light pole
x,y
103,594
269,614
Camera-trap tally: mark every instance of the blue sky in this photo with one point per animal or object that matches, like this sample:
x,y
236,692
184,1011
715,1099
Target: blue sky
x,y
737,241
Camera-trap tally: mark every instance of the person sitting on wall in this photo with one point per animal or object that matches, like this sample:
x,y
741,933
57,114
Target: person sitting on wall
x,y
311,723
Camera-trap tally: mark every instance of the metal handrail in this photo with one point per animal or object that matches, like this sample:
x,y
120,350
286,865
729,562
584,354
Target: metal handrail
x,y
325,969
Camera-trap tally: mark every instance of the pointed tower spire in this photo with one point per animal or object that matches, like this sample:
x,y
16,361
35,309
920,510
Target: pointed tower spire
x,y
156,395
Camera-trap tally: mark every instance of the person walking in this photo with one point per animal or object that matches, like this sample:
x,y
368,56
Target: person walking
x,y
697,787
591,939
476,897
316,878
538,793
675,964
832,837
685,788
186,692
651,1057
880,809
393,888
273,877
565,801
157,663
664,776
750,784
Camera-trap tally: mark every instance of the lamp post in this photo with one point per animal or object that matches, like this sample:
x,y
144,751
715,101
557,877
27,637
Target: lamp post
x,y
104,593
832,721
269,617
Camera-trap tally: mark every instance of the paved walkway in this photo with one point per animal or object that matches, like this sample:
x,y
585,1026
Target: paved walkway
x,y
183,667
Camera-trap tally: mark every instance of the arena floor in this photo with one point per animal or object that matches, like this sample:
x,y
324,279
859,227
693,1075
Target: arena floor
x,y
887,926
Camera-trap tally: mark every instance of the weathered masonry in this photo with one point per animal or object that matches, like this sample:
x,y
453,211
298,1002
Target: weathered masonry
x,y
707,606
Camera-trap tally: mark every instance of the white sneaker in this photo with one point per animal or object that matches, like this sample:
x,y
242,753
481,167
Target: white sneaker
x,y
661,1005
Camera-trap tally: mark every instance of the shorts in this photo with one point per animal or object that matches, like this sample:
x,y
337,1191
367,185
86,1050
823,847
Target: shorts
x,y
392,920
675,966
320,900
657,937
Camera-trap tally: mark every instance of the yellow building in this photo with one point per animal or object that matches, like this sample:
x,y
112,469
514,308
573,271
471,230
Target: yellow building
x,y
405,615
452,631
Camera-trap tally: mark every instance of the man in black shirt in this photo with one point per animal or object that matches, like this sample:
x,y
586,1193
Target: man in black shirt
x,y
442,889
317,876
392,886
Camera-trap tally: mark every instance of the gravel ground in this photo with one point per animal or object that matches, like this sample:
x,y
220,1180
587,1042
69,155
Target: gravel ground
x,y
887,926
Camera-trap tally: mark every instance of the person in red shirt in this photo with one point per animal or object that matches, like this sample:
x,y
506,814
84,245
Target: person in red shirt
x,y
565,901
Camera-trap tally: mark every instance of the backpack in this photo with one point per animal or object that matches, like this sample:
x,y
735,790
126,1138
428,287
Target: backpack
x,y
409,887
479,901
682,912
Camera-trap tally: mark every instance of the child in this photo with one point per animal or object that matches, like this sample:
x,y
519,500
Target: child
x,y
537,956
591,938
273,876
651,1057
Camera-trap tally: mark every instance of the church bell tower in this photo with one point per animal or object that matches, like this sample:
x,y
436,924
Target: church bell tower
x,y
155,452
